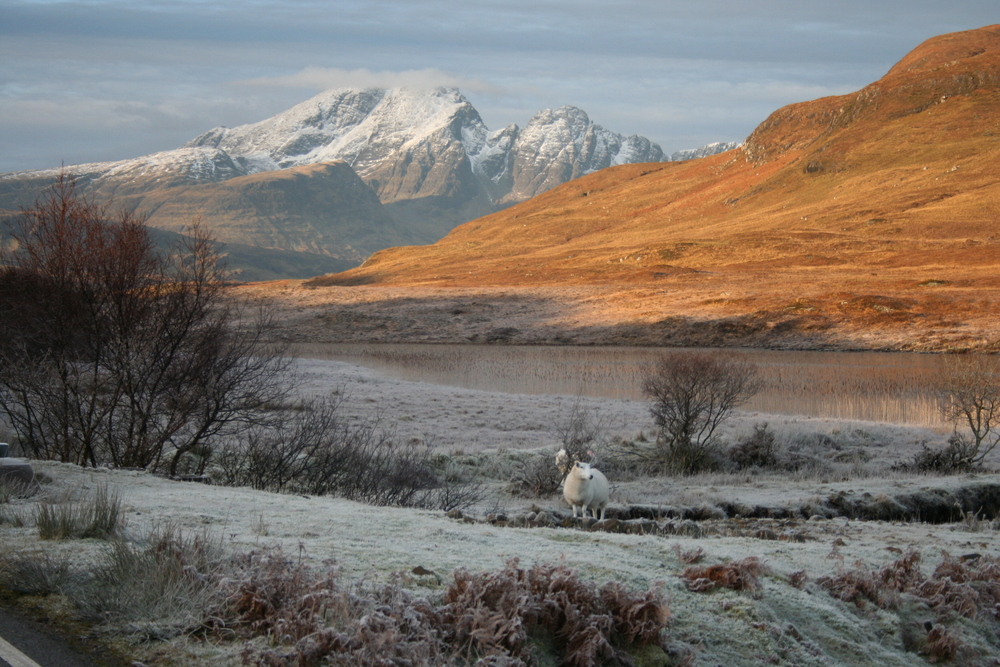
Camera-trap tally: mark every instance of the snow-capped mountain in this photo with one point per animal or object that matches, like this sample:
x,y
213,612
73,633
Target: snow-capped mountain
x,y
393,139
426,154
409,144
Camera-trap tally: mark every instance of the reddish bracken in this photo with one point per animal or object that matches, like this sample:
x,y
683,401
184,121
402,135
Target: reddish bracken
x,y
739,575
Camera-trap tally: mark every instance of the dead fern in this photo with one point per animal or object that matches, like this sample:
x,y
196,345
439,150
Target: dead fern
x,y
739,575
941,645
502,612
969,587
689,556
504,618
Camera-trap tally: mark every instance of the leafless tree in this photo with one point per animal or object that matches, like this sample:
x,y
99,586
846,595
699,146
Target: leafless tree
x,y
969,389
693,394
113,353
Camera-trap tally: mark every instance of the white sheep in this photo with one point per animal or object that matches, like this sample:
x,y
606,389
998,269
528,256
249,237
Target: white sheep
x,y
586,487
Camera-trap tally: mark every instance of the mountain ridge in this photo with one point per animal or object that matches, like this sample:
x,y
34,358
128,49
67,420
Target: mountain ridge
x,y
427,155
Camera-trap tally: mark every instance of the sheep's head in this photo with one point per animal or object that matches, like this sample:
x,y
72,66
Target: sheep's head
x,y
583,470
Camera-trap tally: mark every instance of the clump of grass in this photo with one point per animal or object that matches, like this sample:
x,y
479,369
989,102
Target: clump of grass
x,y
9,514
35,573
162,585
99,516
12,516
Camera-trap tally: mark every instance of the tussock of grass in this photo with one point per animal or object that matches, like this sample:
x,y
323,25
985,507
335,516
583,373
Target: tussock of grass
x,y
160,586
36,573
99,516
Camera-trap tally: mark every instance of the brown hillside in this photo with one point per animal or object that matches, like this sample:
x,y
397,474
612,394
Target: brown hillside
x,y
866,212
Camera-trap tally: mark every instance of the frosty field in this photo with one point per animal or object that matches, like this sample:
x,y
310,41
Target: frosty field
x,y
789,619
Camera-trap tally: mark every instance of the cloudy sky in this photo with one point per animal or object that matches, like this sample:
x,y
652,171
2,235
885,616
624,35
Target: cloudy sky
x,y
90,80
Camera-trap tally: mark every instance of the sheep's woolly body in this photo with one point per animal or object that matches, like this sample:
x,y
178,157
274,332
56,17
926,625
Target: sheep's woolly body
x,y
586,487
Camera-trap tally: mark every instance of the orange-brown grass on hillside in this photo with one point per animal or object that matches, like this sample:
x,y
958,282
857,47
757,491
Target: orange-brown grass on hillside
x,y
871,193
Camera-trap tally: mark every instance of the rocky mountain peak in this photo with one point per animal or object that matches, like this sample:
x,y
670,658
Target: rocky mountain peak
x,y
558,145
363,127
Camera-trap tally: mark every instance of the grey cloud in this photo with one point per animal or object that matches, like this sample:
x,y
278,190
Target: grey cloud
x,y
132,77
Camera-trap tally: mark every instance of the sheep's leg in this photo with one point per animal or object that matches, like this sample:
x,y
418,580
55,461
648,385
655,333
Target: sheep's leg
x,y
574,511
602,512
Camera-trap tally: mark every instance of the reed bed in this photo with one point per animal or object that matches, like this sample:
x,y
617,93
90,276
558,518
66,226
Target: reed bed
x,y
894,388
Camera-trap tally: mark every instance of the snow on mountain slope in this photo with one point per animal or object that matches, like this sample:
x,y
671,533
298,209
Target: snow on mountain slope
x,y
561,144
368,128
704,151
360,127
405,143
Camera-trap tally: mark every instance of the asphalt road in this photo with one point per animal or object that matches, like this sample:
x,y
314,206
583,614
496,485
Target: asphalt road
x,y
25,643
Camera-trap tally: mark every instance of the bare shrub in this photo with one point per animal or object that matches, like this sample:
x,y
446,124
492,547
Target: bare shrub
x,y
315,450
363,462
738,575
693,393
969,390
98,516
955,457
536,477
454,495
757,451
581,433
113,353
277,455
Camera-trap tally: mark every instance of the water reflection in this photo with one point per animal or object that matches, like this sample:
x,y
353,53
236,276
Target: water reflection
x,y
874,386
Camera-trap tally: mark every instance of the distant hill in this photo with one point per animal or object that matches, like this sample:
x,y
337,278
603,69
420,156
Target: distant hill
x,y
879,207
425,158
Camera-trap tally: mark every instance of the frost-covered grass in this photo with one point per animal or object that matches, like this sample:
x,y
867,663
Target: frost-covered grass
x,y
790,615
